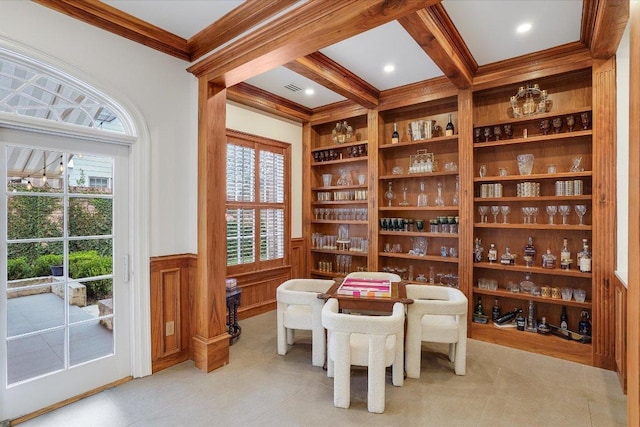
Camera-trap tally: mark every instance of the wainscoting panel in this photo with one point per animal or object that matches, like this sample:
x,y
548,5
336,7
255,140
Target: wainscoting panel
x,y
170,318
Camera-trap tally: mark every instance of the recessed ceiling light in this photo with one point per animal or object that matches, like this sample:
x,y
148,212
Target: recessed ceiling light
x,y
389,68
523,28
309,91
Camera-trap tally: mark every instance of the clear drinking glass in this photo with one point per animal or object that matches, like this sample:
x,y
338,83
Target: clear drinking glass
x,y
551,210
505,211
495,210
483,211
564,210
581,210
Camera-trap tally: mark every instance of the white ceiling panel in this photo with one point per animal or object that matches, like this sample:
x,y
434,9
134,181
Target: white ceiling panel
x,y
366,54
181,17
274,81
489,27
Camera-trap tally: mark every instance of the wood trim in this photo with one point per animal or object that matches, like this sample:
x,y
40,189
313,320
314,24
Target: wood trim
x,y
338,111
324,71
417,93
259,290
251,96
633,292
620,324
589,11
433,30
109,18
604,209
210,339
241,19
302,31
610,21
298,253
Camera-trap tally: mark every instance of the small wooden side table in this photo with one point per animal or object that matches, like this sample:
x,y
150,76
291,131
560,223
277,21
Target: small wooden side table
x,y
233,302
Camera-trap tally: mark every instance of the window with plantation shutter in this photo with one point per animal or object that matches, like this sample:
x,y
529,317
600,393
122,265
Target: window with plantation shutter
x,y
256,203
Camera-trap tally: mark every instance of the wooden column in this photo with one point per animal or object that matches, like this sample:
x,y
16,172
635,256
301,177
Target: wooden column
x,y
633,292
373,172
466,212
604,210
210,338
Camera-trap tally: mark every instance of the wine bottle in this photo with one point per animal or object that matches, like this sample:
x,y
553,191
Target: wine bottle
x,y
565,256
585,258
508,317
449,130
395,136
479,309
563,318
492,255
529,253
520,322
495,311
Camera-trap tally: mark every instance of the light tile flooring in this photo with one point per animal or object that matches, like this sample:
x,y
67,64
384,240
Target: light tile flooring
x,y
503,387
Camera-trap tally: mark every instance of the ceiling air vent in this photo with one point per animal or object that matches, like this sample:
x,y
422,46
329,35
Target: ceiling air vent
x,y
292,87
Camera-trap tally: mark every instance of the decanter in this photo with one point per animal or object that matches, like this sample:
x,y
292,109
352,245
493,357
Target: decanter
x,y
456,196
404,201
439,200
389,194
422,197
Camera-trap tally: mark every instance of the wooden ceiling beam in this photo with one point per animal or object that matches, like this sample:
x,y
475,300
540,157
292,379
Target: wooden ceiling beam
x,y
326,72
239,20
251,96
608,26
433,30
115,21
300,32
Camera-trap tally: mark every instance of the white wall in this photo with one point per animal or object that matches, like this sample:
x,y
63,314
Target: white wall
x,y
622,166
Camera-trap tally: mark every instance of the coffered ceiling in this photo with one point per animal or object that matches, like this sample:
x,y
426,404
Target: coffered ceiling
x,y
421,39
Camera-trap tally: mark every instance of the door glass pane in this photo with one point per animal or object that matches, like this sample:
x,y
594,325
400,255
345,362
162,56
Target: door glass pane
x,y
30,217
34,170
35,355
90,174
90,258
90,216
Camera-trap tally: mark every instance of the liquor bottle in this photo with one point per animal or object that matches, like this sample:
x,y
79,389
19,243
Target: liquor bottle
x,y
439,199
456,196
492,256
563,318
479,309
548,260
520,322
495,311
478,250
507,258
507,317
449,129
584,326
395,136
529,253
585,258
565,256
531,318
422,197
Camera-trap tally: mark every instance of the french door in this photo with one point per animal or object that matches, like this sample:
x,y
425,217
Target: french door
x,y
65,300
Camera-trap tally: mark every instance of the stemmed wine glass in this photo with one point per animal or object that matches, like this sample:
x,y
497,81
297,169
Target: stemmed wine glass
x,y
564,210
495,210
317,212
483,211
534,212
526,215
581,210
505,211
551,210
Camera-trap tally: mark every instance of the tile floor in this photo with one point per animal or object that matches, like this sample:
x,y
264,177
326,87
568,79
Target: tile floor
x,y
503,387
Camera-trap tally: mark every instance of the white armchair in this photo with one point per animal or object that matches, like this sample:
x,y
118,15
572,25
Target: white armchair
x,y
372,341
375,275
298,307
438,314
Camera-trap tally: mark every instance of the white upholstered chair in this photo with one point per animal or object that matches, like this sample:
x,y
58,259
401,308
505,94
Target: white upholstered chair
x,y
438,314
298,307
376,275
359,340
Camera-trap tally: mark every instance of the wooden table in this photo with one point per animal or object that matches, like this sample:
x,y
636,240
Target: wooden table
x,y
380,304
